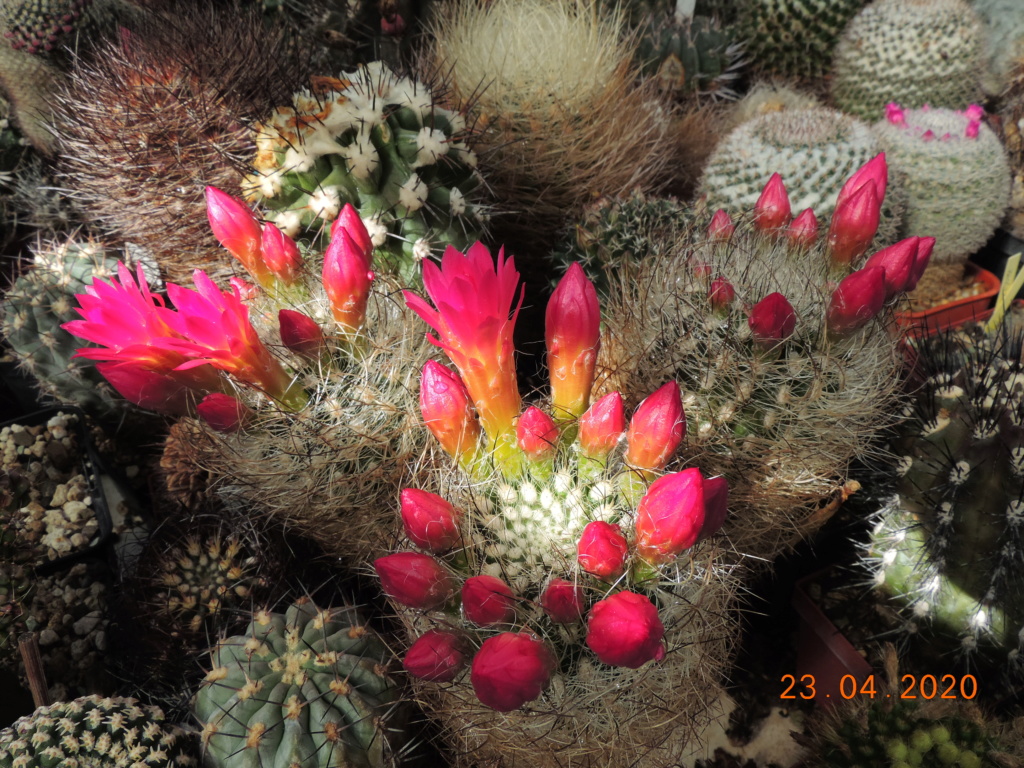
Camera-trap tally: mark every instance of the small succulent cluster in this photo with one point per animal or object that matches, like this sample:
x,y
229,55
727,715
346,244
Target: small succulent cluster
x,y
305,687
916,52
93,730
382,143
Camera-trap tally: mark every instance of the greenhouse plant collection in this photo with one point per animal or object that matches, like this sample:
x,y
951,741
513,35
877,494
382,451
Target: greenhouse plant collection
x,y
511,383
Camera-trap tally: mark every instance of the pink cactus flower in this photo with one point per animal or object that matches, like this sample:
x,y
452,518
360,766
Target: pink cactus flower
x,y
772,320
859,297
572,332
721,226
430,521
562,601
657,428
670,516
854,225
153,391
602,550
223,412
895,114
803,230
772,210
301,334
624,630
601,427
414,579
488,601
447,412
537,434
237,229
511,669
437,656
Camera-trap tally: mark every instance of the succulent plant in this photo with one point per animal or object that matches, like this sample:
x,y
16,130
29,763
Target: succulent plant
x,y
1011,125
93,730
1004,37
305,687
915,52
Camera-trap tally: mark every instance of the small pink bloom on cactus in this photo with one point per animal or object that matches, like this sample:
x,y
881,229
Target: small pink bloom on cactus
x,y
924,255
562,601
716,503
721,294
236,229
437,656
803,230
772,210
151,390
347,277
624,630
670,516
536,434
488,601
898,262
974,112
721,226
415,580
430,521
223,412
875,172
928,135
301,333
895,114
657,428
474,321
859,297
601,427
772,319
572,332
444,403
511,669
853,225
602,550
281,255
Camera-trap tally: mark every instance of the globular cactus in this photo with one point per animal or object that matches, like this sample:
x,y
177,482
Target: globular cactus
x,y
306,687
93,730
382,143
1004,37
915,52
956,177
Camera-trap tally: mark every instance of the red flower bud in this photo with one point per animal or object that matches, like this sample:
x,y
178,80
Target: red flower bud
x,y
924,254
430,522
721,226
602,426
859,297
350,221
415,580
536,434
716,503
772,319
236,229
437,656
670,516
803,230
898,262
854,225
602,550
573,338
488,601
624,630
301,333
772,209
511,669
562,601
347,278
447,411
656,429
875,172
721,294
223,412
281,254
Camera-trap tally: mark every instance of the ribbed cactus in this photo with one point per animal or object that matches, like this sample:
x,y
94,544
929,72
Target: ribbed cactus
x,y
915,52
95,731
949,547
306,687
382,143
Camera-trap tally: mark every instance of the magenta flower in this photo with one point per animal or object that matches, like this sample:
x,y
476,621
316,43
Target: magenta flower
x,y
721,294
898,261
853,225
474,321
875,172
415,579
716,504
572,332
488,601
437,656
537,434
772,210
602,550
301,334
601,426
430,521
721,226
223,412
562,601
153,391
237,229
803,230
859,297
281,255
670,516
511,669
657,428
772,320
624,630
447,412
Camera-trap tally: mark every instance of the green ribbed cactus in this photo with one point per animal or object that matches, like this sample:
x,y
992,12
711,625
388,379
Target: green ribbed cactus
x,y
794,38
914,52
382,143
93,731
307,687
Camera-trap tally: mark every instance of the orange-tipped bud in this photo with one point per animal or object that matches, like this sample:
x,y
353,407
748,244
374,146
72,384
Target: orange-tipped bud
x,y
446,409
854,225
602,426
236,229
281,255
573,338
772,210
347,279
656,429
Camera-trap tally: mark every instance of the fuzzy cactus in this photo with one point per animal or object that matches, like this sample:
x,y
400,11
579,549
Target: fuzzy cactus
x,y
305,687
1011,124
93,730
382,143
1004,37
916,52
956,176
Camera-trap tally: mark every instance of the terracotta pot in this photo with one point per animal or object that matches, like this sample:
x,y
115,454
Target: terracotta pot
x,y
958,312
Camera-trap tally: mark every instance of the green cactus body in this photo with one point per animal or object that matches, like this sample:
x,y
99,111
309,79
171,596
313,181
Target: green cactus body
x,y
794,38
382,143
915,52
93,731
306,687
1004,36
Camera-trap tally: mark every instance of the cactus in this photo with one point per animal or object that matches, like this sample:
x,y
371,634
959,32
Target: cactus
x,y
794,38
1004,37
305,687
95,731
915,52
1011,124
382,143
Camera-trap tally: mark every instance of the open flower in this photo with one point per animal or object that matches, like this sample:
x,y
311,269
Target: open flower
x,y
511,669
572,332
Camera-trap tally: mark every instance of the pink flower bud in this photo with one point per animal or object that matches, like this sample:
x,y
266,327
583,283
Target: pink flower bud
x,y
772,319
430,521
447,411
488,601
973,129
716,503
347,277
721,294
602,426
573,338
301,333
859,297
721,226
437,656
536,434
236,229
281,254
350,221
511,669
803,230
898,262
392,24
928,135
974,112
875,172
602,550
624,630
894,114
772,210
657,428
415,580
924,254
562,601
670,516
854,225
223,412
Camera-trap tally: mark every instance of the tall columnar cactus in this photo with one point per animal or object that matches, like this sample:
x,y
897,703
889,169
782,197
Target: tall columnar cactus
x,y
93,730
956,176
915,52
306,687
